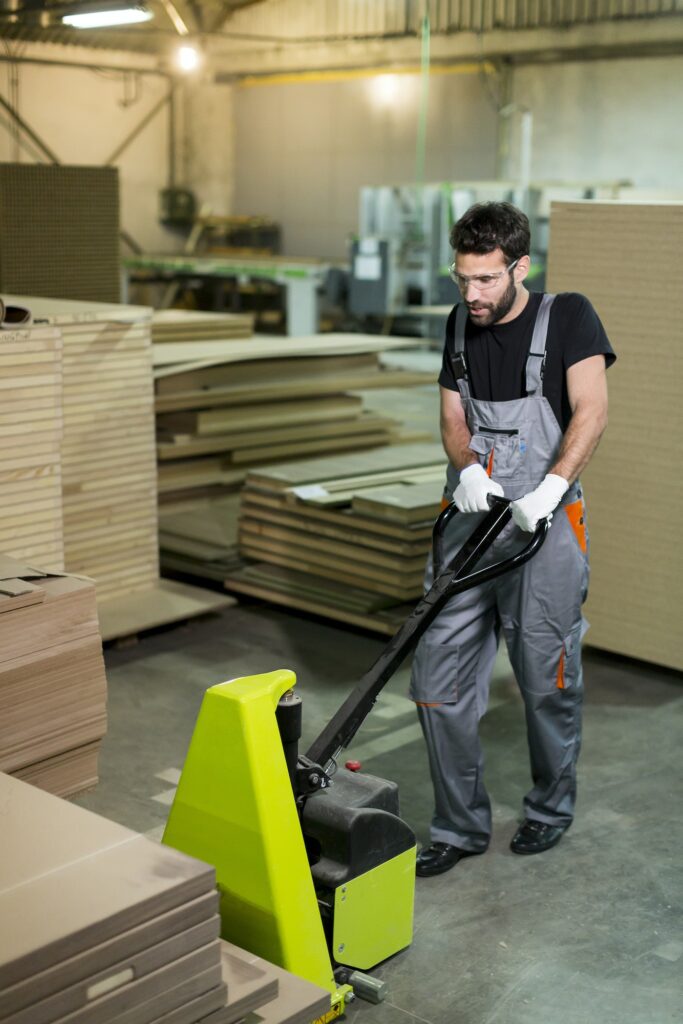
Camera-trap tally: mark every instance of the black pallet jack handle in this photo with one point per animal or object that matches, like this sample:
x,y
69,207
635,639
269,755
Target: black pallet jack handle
x,y
456,577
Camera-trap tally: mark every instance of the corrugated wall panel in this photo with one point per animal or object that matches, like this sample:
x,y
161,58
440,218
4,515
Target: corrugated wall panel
x,y
301,18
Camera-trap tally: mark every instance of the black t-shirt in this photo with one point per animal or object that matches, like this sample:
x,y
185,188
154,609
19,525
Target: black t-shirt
x,y
496,355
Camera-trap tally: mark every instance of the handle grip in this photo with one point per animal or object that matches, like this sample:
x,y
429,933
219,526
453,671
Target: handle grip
x,y
482,575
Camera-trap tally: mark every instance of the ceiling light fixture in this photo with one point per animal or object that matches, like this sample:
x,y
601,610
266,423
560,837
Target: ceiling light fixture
x,y
104,14
188,57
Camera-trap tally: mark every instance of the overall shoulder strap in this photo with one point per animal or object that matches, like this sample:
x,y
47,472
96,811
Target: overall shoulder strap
x,y
536,358
457,352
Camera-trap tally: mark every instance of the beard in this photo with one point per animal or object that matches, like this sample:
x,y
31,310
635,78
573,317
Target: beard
x,y
496,311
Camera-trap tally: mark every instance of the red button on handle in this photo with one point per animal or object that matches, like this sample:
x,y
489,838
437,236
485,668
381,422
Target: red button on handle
x,y
353,766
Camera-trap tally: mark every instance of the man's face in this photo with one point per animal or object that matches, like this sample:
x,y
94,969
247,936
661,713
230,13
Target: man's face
x,y
488,301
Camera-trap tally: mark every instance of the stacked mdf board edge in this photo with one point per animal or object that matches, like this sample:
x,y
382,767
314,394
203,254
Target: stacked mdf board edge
x,y
31,427
53,690
105,507
625,257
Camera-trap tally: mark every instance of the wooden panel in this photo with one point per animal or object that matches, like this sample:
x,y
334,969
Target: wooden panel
x,y
634,483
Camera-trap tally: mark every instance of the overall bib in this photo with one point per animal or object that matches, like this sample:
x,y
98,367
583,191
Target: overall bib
x,y
538,607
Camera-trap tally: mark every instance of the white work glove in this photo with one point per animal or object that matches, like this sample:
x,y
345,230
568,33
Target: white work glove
x,y
539,504
472,492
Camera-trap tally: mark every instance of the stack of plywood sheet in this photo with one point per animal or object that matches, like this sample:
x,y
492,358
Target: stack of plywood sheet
x,y
180,325
345,537
266,400
30,436
199,537
53,689
101,924
628,259
109,487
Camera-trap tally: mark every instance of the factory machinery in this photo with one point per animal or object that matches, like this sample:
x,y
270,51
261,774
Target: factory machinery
x,y
399,261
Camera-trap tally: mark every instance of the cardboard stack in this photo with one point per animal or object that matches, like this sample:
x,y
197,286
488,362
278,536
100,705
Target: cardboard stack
x,y
101,924
344,537
30,440
53,688
628,259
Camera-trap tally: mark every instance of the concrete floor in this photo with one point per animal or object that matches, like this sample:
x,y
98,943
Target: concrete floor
x,y
588,932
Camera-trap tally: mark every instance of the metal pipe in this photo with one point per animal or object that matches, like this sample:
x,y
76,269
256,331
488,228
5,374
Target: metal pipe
x,y
4,59
149,116
172,136
33,136
27,145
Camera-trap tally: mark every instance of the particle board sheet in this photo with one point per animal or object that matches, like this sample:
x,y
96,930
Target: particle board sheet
x,y
181,325
633,484
262,346
307,593
301,519
60,231
276,380
53,688
31,428
168,601
292,999
101,923
108,450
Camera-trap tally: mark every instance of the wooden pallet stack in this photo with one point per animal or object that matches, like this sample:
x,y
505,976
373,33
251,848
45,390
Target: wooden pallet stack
x,y
53,689
30,437
344,537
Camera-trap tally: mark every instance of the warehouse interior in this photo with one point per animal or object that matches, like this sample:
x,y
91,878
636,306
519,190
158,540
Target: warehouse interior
x,y
225,248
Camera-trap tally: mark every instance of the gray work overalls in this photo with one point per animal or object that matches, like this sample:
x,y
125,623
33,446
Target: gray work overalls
x,y
538,607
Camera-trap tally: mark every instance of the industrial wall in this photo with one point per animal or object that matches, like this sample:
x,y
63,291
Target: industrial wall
x,y
304,148
84,114
606,119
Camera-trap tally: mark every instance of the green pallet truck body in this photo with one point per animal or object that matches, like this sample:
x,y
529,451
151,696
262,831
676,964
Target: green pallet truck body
x,y
315,867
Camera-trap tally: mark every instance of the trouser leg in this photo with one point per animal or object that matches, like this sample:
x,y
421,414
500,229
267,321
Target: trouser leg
x,y
540,608
450,682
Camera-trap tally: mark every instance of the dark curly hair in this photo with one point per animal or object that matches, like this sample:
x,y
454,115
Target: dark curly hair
x,y
488,226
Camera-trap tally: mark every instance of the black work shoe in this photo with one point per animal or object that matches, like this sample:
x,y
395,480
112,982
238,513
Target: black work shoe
x,y
536,836
439,857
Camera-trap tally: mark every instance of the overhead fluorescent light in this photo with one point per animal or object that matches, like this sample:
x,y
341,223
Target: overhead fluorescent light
x,y
102,15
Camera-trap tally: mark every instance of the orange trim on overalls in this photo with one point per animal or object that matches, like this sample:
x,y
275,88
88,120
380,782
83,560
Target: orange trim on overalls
x,y
560,672
489,467
444,503
425,704
577,522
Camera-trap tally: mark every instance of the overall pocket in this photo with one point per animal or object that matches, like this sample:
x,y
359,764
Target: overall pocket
x,y
434,679
500,450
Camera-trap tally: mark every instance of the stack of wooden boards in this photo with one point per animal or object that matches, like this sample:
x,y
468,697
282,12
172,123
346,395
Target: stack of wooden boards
x,y
53,689
344,537
101,924
30,440
634,483
234,404
173,326
107,511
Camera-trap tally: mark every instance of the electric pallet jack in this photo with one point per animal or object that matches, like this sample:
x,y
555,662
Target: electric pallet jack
x,y
315,868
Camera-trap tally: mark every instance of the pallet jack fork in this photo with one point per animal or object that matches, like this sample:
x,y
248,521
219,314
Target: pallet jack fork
x,y
315,868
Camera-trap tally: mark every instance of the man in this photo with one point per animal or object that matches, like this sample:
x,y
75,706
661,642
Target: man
x,y
523,406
